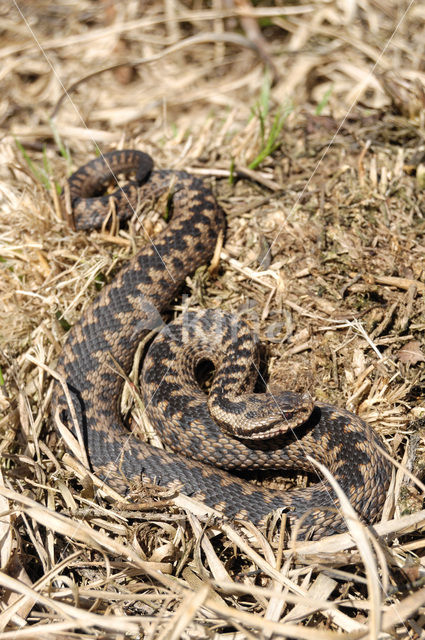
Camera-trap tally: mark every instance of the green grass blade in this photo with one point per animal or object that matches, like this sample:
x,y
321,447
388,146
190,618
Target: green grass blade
x,y
272,140
37,173
324,101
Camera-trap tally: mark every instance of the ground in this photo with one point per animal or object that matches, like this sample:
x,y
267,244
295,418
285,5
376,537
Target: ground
x,y
308,121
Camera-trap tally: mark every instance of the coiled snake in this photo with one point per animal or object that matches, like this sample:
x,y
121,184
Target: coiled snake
x,y
272,431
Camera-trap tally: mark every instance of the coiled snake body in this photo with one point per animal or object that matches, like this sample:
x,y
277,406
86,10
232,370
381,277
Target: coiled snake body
x,y
272,431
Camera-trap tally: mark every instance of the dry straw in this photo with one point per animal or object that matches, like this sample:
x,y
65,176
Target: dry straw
x,y
314,160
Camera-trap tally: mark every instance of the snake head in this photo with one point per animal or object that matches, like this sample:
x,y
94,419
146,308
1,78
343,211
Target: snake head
x,y
262,416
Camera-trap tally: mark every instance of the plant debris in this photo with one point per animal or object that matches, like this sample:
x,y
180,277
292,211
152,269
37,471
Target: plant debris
x,y
308,120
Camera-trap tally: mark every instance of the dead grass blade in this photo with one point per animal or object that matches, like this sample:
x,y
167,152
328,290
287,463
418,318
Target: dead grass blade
x,y
359,533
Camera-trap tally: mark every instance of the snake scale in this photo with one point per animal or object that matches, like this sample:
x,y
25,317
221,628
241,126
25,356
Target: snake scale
x,y
207,435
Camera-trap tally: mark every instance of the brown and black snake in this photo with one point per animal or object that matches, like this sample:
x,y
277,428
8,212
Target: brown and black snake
x,y
207,435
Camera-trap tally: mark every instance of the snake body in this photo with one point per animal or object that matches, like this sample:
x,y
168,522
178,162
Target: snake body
x,y
232,428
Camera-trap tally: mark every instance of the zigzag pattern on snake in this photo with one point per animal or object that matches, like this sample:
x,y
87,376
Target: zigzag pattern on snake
x,y
271,431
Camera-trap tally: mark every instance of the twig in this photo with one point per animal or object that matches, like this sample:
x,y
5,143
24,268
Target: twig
x,y
231,38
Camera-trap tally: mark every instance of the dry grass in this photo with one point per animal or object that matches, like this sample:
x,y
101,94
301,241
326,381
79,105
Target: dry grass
x,y
324,256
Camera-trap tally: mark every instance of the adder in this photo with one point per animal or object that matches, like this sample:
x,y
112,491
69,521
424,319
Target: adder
x,y
231,429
